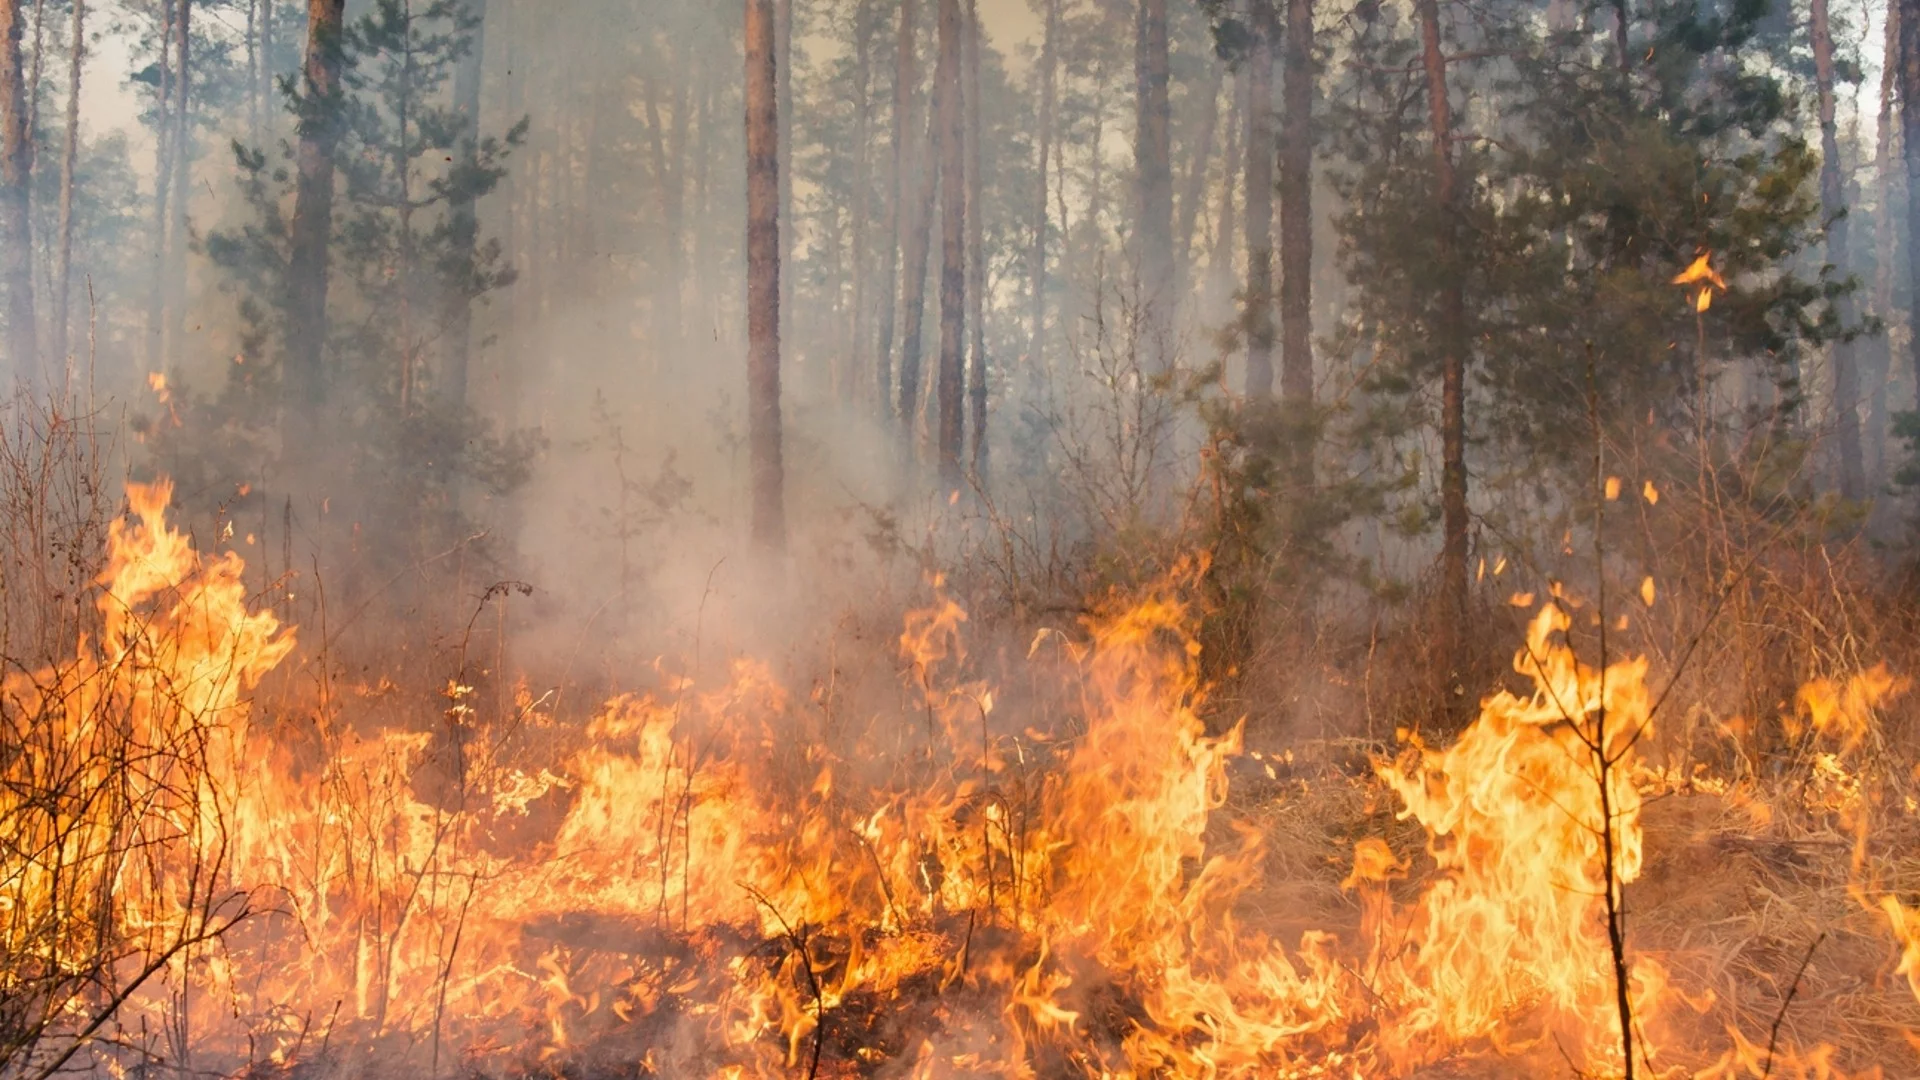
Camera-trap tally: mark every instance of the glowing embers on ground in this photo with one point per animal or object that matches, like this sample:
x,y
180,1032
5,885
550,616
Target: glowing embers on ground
x,y
708,881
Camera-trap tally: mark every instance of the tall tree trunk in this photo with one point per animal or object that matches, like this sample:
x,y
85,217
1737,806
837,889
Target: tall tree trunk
x,y
1258,319
668,179
1220,277
1296,234
162,189
897,194
175,271
263,78
1194,191
783,64
311,231
1453,341
857,336
69,160
1037,242
1886,135
976,250
763,277
463,213
253,72
38,67
676,209
914,289
953,248
705,239
16,178
1910,147
1846,378
1153,176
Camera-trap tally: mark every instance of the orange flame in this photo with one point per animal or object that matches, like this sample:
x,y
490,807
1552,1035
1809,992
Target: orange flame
x,y
710,873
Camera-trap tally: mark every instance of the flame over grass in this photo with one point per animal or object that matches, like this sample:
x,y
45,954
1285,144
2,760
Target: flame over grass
x,y
705,882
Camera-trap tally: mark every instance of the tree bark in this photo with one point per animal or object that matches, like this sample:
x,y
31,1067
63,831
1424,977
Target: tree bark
x,y
763,276
253,72
1220,277
914,289
1296,216
264,77
1452,327
312,226
1153,176
976,251
1257,321
1846,378
783,68
953,248
162,189
38,66
1037,242
897,193
1910,146
857,335
16,178
1886,180
69,160
174,272
463,212
1194,190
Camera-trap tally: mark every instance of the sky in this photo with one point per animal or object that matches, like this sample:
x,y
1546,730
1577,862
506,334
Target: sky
x,y
1008,22
112,105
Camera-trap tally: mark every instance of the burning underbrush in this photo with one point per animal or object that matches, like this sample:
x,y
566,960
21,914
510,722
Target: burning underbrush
x,y
1062,872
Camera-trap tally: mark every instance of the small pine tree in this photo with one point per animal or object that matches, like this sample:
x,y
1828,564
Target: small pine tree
x,y
400,266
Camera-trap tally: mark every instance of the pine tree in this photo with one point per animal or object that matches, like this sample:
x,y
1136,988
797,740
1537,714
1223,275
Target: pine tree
x,y
16,180
763,276
1153,179
318,116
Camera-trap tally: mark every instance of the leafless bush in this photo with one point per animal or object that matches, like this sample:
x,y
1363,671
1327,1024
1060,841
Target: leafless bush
x,y
114,835
55,505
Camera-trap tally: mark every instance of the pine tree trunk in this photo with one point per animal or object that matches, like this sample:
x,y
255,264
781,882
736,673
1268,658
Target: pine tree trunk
x,y
857,336
1846,378
1910,147
897,194
162,190
1194,191
976,251
1153,175
16,178
1037,241
1296,228
174,273
69,160
676,208
38,67
783,64
914,290
463,212
763,276
1453,428
1257,321
1220,276
1886,181
311,230
253,72
264,77
953,248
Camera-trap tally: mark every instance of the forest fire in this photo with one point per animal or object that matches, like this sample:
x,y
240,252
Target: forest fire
x,y
931,539
698,886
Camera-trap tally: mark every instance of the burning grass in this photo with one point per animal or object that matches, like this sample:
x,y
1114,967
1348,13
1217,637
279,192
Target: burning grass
x,y
1059,872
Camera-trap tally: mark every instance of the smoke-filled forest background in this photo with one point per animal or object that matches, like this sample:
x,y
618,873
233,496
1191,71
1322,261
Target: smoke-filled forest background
x,y
1346,296
528,354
